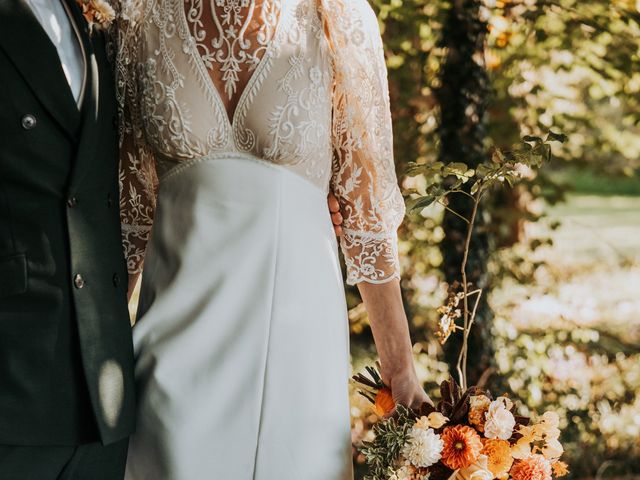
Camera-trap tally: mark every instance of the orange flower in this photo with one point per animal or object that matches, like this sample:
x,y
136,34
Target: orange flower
x,y
560,469
533,467
499,454
384,402
462,445
479,405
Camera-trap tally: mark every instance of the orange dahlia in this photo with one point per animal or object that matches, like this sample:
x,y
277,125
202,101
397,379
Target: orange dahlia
x,y
384,402
462,445
560,469
499,454
533,467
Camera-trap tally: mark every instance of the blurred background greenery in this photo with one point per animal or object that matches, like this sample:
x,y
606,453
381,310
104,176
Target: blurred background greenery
x,y
558,254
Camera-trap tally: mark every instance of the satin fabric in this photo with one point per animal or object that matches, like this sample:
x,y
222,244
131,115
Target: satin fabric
x,y
242,359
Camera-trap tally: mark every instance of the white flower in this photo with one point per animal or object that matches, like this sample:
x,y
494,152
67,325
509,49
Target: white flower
x,y
403,473
477,471
500,421
408,473
423,448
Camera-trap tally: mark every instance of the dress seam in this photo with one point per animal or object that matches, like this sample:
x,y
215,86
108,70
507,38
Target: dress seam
x,y
271,314
235,155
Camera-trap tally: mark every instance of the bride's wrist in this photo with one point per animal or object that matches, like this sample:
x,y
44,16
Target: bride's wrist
x,y
398,369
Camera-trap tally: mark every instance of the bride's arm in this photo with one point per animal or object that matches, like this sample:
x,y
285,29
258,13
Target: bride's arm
x,y
391,334
137,177
365,184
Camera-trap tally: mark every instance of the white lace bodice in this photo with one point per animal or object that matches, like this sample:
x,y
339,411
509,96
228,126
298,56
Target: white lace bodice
x,y
298,83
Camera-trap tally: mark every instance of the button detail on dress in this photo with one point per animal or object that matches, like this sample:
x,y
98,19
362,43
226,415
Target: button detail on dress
x,y
116,280
78,281
72,202
28,121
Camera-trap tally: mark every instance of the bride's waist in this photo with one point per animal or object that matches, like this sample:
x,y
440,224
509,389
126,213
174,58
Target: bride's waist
x,y
237,177
168,167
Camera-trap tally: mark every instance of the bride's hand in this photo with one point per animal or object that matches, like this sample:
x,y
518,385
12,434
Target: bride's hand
x,y
407,391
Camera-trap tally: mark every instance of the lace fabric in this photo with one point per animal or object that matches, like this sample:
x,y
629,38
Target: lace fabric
x,y
299,83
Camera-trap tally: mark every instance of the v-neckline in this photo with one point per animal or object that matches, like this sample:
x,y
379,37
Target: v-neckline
x,y
232,120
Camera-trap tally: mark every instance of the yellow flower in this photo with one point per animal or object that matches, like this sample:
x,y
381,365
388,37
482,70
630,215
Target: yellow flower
x,y
104,13
548,426
522,448
560,469
98,13
499,457
478,407
435,420
552,449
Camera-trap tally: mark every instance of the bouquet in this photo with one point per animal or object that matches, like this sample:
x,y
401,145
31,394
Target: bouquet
x,y
468,435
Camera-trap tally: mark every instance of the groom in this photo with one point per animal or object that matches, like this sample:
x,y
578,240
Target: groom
x,y
66,361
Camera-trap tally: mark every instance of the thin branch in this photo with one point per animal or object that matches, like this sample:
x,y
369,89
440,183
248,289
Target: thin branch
x,y
463,192
462,372
453,211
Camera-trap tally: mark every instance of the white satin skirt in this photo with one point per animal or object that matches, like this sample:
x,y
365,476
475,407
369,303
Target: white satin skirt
x,y
242,356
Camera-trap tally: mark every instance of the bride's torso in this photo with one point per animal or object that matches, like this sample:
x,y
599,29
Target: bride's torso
x,y
225,76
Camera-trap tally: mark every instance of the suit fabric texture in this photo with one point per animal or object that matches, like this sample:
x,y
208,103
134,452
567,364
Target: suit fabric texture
x,y
66,357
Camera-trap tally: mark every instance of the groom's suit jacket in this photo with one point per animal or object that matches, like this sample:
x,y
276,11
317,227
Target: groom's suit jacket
x,y
66,374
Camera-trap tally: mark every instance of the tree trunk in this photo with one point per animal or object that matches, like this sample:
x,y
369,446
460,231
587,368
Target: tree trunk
x,y
462,98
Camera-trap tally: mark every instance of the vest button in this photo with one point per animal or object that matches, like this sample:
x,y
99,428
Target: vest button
x,y
78,281
116,280
28,122
72,202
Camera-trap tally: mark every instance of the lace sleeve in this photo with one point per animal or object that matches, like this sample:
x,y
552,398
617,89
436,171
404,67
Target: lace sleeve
x,y
364,178
138,179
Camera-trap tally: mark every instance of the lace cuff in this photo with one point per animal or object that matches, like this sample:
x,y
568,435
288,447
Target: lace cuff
x,y
370,258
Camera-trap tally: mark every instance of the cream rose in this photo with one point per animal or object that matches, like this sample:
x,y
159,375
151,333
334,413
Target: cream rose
x,y
476,471
499,420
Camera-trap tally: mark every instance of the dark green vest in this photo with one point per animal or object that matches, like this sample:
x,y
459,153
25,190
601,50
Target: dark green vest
x,y
66,361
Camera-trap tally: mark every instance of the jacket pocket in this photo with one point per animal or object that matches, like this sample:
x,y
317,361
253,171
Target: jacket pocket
x,y
13,275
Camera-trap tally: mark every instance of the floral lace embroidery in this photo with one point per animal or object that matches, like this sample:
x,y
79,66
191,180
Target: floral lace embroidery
x,y
229,52
364,177
297,127
315,82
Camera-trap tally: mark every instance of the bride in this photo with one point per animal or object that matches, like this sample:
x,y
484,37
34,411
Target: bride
x,y
238,117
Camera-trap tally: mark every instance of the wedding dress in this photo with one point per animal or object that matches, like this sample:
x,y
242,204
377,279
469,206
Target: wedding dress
x,y
237,118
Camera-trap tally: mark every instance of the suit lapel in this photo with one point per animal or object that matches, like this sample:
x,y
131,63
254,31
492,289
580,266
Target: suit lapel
x,y
90,129
28,46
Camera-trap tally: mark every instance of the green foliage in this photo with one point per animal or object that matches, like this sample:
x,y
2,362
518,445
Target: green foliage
x,y
390,436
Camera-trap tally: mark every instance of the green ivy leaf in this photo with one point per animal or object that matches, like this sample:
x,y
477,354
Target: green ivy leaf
x,y
420,203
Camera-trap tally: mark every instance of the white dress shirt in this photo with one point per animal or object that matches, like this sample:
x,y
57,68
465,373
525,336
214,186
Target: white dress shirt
x,y
56,22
